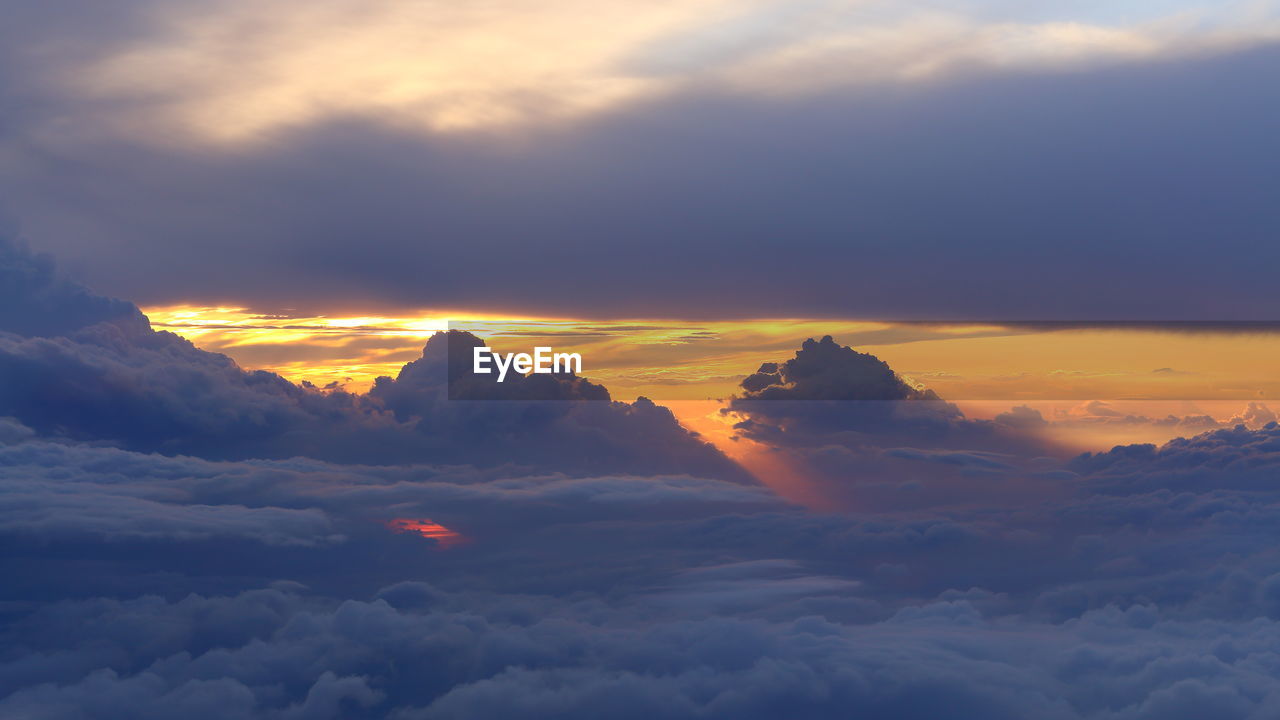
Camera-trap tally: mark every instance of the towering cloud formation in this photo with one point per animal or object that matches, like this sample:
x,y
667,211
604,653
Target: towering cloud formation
x,y
84,367
848,418
36,301
829,388
823,370
559,420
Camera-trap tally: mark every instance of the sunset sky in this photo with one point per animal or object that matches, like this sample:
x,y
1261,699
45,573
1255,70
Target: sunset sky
x,y
964,160
1099,384
929,359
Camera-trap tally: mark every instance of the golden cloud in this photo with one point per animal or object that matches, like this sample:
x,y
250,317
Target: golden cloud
x,y
237,70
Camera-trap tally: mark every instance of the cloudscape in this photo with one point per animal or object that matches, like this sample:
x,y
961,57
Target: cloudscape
x,y
925,360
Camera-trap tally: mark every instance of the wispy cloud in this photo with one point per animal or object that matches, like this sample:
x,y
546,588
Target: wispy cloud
x,y
232,71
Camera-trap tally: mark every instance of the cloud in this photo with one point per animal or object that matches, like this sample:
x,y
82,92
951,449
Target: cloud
x,y
1255,415
1186,462
535,419
1127,663
1138,584
1022,416
121,382
434,66
847,418
867,439
744,586
1086,170
823,370
183,538
12,431
232,72
152,518
827,389
36,300
1099,413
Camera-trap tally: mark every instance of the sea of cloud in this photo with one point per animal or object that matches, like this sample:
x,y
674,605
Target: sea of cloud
x,y
181,538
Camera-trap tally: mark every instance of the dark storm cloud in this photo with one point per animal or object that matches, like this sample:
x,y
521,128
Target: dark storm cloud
x,y
1134,192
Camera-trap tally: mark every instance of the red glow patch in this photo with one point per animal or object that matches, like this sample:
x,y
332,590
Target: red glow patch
x,y
424,527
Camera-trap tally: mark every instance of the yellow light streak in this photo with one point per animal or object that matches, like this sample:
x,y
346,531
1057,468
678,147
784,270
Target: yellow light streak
x,y
986,368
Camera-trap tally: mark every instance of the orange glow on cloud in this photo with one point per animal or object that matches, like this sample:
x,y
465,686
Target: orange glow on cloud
x,y
677,359
780,473
424,527
435,67
985,368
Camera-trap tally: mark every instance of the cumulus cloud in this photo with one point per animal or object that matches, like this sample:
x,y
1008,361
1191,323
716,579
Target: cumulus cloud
x,y
874,441
1181,463
535,419
848,418
824,370
828,388
1255,415
1022,416
89,376
1101,414
36,300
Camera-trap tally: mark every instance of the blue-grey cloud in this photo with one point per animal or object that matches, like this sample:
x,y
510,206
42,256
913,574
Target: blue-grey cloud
x,y
94,370
579,597
1129,192
846,417
180,538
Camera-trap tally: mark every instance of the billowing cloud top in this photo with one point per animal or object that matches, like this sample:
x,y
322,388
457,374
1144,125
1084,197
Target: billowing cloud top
x,y
89,368
824,370
35,300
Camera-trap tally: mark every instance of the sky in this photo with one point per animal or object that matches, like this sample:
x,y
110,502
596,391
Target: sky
x,y
928,359
706,159
1096,384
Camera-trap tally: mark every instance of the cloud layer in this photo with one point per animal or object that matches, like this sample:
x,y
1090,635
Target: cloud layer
x,y
95,371
1138,583
182,538
1144,590
1133,190
234,71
